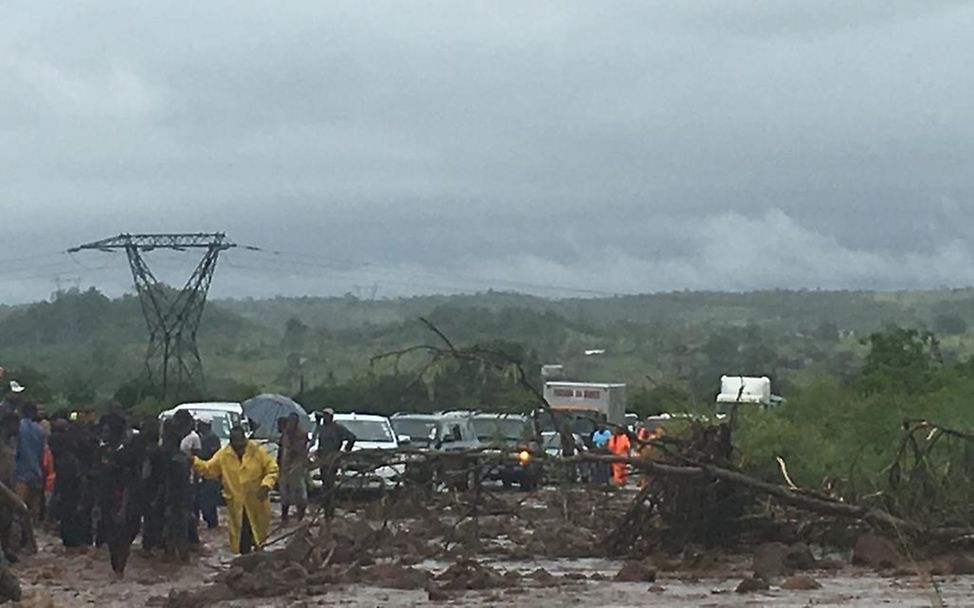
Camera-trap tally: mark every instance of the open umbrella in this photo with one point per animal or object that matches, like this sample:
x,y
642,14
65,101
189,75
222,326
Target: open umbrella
x,y
264,411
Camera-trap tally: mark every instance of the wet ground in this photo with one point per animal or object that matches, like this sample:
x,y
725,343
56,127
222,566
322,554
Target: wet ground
x,y
58,580
53,578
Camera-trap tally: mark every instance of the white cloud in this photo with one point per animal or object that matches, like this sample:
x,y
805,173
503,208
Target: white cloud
x,y
735,252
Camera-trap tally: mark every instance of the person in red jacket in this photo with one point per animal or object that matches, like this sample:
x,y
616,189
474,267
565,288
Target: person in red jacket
x,y
47,466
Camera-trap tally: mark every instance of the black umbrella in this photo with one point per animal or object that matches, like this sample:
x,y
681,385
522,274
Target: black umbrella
x,y
264,411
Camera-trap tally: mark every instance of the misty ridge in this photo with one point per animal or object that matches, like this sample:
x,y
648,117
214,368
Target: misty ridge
x,y
85,345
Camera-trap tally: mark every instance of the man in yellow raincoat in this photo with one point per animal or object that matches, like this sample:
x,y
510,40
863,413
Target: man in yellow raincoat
x,y
248,473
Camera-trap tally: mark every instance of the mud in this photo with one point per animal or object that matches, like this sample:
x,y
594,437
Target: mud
x,y
527,550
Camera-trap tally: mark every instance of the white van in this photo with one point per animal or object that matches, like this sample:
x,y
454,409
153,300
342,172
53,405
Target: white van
x,y
222,416
371,433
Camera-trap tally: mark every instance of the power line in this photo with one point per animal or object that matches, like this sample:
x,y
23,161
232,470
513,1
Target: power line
x,y
30,258
386,269
49,276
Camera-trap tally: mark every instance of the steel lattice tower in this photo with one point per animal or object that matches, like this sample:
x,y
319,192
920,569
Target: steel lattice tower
x,y
172,359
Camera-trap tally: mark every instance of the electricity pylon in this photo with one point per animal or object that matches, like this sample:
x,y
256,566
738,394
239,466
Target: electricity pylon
x,y
172,359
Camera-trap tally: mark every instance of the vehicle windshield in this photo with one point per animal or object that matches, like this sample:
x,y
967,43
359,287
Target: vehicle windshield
x,y
582,423
415,429
221,427
220,423
369,430
551,441
490,429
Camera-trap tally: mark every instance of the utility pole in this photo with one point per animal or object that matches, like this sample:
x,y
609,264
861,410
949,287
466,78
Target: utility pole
x,y
172,359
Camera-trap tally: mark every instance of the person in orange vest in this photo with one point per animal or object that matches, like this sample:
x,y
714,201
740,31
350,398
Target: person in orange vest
x,y
619,445
645,435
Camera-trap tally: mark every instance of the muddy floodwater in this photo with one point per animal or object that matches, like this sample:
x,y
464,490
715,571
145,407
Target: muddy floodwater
x,y
527,550
54,579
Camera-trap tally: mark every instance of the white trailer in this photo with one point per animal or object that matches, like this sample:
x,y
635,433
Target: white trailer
x,y
606,399
749,390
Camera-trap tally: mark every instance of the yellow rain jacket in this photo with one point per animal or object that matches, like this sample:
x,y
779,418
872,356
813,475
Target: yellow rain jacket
x,y
242,478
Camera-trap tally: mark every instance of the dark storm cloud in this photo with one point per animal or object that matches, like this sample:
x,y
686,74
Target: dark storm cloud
x,y
614,147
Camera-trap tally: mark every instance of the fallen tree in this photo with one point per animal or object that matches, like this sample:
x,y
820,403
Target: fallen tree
x,y
696,476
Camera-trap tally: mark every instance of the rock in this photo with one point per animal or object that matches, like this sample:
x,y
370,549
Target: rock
x,y
542,576
435,594
750,585
203,596
772,560
959,565
656,589
800,583
250,562
876,552
800,557
472,575
636,572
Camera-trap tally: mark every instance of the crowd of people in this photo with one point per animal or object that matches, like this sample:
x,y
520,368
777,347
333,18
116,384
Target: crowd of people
x,y
106,481
102,481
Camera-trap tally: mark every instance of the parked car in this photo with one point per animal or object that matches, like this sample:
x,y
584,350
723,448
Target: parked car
x,y
361,473
512,436
450,435
417,428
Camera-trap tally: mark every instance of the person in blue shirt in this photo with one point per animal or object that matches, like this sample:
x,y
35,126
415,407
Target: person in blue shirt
x,y
30,453
29,470
600,442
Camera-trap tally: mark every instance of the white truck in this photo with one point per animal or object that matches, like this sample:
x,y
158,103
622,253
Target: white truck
x,y
609,400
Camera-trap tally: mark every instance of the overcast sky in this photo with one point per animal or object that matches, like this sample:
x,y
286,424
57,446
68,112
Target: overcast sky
x,y
562,148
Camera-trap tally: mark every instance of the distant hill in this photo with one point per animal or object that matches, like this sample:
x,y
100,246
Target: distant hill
x,y
858,311
682,340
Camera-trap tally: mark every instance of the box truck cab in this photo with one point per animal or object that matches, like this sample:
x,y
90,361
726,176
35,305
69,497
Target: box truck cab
x,y
601,401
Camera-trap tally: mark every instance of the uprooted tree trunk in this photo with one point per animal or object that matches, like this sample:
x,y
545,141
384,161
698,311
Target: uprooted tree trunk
x,y
691,508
